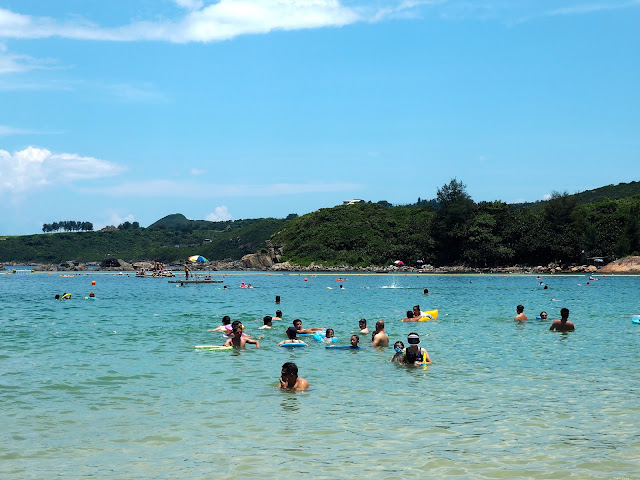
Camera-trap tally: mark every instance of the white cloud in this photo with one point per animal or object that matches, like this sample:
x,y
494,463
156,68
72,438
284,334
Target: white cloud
x,y
222,20
190,4
547,197
135,93
6,131
220,214
112,218
171,188
592,7
197,172
34,167
14,63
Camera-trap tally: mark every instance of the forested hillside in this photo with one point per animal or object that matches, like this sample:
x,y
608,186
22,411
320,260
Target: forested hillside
x,y
461,231
169,239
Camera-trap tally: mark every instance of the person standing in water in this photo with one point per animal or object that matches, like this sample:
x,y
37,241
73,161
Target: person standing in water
x,y
520,317
289,379
239,340
362,323
380,338
563,325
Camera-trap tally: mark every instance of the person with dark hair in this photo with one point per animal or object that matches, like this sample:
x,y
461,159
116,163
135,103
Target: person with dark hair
x,y
417,313
355,339
543,315
225,327
362,323
414,354
278,315
563,325
409,317
298,324
239,340
379,337
289,379
399,352
292,334
520,317
267,323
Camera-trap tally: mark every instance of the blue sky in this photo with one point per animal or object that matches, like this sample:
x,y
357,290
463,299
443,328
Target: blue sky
x,y
230,109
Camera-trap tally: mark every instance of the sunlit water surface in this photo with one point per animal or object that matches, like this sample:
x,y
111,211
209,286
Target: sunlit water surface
x,y
112,388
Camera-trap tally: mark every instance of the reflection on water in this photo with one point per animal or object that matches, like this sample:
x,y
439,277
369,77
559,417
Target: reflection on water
x,y
113,388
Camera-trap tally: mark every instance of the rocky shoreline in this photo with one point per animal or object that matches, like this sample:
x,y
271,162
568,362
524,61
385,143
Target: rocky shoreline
x,y
252,265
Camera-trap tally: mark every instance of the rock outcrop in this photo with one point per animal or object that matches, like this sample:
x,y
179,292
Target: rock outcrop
x,y
115,264
623,265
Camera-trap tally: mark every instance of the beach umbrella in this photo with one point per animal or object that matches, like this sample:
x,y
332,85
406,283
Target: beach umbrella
x,y
420,261
198,259
399,262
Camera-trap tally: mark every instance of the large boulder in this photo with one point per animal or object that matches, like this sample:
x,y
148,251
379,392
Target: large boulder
x,y
112,263
257,261
623,265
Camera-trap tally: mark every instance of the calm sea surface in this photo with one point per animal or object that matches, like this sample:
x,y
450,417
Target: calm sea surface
x,y
112,388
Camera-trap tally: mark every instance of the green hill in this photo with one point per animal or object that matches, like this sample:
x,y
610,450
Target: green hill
x,y
461,232
171,238
608,192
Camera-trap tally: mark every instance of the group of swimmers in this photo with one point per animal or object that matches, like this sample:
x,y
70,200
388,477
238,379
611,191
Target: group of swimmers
x,y
561,325
412,355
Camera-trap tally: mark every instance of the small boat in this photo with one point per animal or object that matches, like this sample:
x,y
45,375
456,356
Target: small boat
x,y
196,281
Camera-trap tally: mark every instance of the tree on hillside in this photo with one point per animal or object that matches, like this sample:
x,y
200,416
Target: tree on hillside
x,y
559,221
452,221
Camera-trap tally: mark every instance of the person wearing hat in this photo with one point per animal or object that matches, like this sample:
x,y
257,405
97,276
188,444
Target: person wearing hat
x,y
414,354
291,334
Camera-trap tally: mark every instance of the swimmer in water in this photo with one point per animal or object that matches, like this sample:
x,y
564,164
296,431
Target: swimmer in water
x,y
380,338
238,340
362,323
329,336
267,323
563,325
225,327
543,315
298,324
291,335
399,352
409,317
278,315
520,317
289,379
355,339
414,353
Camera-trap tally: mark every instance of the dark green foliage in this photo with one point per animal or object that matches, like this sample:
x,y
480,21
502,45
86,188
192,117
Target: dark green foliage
x,y
460,231
231,239
67,226
610,192
359,234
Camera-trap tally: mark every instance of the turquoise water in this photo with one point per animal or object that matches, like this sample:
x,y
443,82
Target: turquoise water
x,y
113,388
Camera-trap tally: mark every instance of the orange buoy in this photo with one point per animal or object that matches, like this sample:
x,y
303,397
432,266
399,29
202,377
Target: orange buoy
x,y
306,279
93,282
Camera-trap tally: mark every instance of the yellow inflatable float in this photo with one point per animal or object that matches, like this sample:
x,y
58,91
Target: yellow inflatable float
x,y
425,317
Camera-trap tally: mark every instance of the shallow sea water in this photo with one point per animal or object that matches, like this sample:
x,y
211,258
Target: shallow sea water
x,y
112,388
